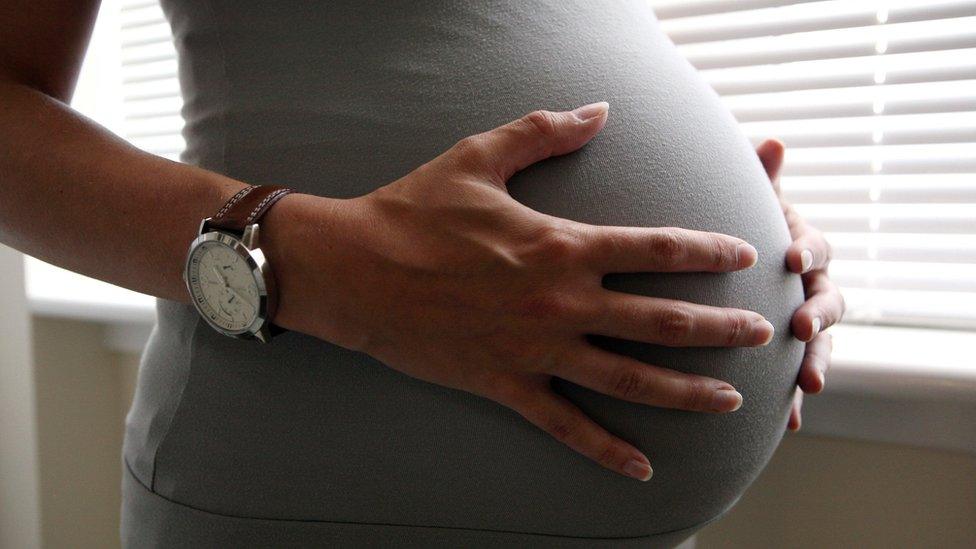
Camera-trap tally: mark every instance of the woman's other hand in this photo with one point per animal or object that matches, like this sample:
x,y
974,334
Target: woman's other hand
x,y
810,256
445,277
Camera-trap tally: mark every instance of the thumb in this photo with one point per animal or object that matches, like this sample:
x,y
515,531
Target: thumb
x,y
501,152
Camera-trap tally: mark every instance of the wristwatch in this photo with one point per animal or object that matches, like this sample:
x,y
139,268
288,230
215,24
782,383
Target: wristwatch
x,y
228,276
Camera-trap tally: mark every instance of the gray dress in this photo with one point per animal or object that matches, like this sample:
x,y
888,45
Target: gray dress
x,y
303,443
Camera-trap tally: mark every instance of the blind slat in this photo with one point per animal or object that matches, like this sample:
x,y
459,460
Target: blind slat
x,y
955,310
901,38
669,9
891,218
870,191
853,72
924,248
853,102
892,275
819,16
868,130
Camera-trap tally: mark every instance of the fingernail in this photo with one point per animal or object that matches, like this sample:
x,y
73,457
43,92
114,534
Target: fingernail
x,y
588,112
726,400
806,260
816,327
823,380
638,469
745,255
766,327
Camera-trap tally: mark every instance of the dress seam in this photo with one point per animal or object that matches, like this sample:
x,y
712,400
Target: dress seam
x,y
176,408
222,52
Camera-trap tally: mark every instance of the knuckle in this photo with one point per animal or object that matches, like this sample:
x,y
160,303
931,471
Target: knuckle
x,y
559,244
724,255
608,456
696,395
675,324
629,384
471,151
610,244
667,247
549,305
563,427
530,354
506,391
738,328
542,123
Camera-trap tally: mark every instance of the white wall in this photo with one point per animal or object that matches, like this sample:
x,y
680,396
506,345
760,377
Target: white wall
x,y
828,492
19,523
82,395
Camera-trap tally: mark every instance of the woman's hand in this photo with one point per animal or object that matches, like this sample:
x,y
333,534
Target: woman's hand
x,y
809,255
445,277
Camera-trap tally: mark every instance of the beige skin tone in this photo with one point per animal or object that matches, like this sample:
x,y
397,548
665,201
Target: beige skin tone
x,y
440,274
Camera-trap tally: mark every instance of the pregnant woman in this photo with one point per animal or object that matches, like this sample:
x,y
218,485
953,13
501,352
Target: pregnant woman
x,y
489,334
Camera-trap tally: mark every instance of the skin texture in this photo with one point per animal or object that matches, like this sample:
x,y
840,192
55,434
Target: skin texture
x,y
503,299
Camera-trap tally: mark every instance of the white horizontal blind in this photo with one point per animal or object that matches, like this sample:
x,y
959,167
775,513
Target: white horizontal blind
x,y
151,100
876,103
875,100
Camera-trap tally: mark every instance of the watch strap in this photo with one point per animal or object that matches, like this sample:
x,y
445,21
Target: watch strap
x,y
246,207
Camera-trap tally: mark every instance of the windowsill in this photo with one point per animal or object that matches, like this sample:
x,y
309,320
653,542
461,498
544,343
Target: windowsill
x,y
902,385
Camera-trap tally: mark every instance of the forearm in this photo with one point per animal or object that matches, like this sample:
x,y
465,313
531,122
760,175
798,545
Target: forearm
x,y
75,195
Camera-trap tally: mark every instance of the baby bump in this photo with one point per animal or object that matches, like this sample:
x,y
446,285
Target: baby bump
x,y
303,430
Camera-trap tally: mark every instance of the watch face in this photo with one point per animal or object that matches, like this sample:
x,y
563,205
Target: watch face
x,y
222,283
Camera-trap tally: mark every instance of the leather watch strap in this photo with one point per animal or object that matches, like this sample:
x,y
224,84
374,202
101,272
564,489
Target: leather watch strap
x,y
246,207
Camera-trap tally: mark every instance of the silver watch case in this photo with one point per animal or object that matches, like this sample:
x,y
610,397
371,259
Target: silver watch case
x,y
248,248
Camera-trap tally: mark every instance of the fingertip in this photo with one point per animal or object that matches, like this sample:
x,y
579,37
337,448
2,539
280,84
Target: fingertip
x,y
726,400
745,255
765,331
771,153
821,382
794,423
814,328
811,379
806,260
586,122
794,259
638,468
591,111
771,147
805,330
774,145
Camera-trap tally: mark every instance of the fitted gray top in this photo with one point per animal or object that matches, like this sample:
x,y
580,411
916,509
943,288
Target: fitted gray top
x,y
241,443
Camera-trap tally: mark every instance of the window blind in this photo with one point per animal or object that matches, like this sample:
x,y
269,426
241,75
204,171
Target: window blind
x,y
875,101
151,100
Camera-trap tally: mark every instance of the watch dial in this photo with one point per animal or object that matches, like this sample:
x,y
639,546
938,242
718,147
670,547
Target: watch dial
x,y
223,286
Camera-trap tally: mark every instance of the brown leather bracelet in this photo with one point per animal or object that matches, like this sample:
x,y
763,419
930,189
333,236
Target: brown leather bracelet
x,y
247,207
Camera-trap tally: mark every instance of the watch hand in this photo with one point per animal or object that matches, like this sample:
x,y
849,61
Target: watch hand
x,y
241,298
219,275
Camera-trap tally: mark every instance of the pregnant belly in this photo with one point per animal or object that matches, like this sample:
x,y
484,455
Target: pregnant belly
x,y
343,103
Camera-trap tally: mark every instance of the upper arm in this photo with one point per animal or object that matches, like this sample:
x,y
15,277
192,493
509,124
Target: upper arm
x,y
43,42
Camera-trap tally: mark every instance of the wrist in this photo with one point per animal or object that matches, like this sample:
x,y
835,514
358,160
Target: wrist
x,y
286,232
